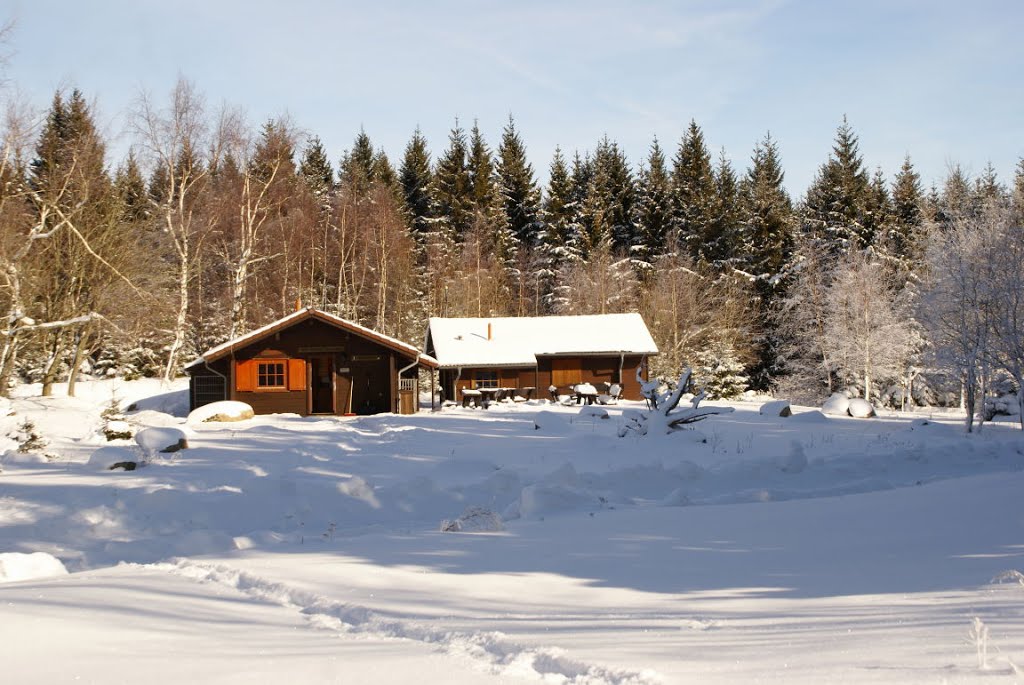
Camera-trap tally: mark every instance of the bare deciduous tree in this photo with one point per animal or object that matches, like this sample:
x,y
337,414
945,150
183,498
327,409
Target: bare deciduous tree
x,y
869,331
175,137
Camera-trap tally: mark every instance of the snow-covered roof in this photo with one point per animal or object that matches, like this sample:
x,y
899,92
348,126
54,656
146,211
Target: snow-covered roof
x,y
518,341
226,348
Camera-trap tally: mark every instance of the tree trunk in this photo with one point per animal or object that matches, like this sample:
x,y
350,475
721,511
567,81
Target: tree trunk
x,y
52,365
76,361
181,324
968,399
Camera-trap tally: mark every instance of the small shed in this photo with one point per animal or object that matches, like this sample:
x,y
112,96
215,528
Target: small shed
x,y
530,354
311,362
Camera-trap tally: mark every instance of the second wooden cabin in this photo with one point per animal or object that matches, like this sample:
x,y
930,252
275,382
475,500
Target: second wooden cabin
x,y
532,353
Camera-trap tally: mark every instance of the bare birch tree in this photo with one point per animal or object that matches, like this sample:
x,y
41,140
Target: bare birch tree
x,y
175,136
959,301
868,332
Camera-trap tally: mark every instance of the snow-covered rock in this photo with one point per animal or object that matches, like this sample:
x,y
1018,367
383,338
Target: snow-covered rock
x,y
474,520
165,439
776,408
226,410
814,416
837,405
105,457
149,417
592,411
15,566
551,422
860,408
16,457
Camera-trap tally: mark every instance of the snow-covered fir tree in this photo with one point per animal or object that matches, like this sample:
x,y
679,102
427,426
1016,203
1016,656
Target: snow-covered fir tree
x,y
835,206
415,176
693,192
719,372
654,210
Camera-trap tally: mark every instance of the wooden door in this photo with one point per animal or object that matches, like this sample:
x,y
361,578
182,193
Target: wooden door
x,y
321,385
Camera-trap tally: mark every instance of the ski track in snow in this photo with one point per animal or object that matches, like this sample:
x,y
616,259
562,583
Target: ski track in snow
x,y
494,651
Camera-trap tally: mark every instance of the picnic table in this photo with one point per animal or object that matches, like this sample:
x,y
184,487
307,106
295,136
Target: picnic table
x,y
586,393
488,395
470,396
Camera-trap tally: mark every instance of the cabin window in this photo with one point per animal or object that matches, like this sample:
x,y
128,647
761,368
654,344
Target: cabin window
x,y
270,375
485,379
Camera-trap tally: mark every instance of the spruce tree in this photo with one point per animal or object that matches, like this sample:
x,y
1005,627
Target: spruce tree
x,y
315,170
877,209
987,188
764,249
612,196
416,177
480,168
519,192
452,188
766,215
654,209
559,239
907,213
956,198
487,204
597,207
71,189
131,190
693,186
383,173
834,210
356,167
1017,197
722,242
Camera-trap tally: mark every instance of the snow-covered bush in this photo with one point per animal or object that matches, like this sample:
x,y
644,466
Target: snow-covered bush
x,y
1003,405
28,438
143,358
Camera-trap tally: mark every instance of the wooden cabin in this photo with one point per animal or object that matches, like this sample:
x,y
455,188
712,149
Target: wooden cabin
x,y
530,354
311,362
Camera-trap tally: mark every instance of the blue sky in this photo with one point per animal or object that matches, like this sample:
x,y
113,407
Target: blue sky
x,y
939,80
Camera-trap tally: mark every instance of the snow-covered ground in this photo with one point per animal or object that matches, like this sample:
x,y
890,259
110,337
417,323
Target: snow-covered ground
x,y
755,549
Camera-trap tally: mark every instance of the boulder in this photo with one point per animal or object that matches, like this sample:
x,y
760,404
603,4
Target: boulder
x,y
837,405
124,465
105,458
592,411
861,409
776,408
165,439
223,411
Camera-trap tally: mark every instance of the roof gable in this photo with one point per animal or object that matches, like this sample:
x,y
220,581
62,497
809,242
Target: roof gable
x,y
301,315
518,341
